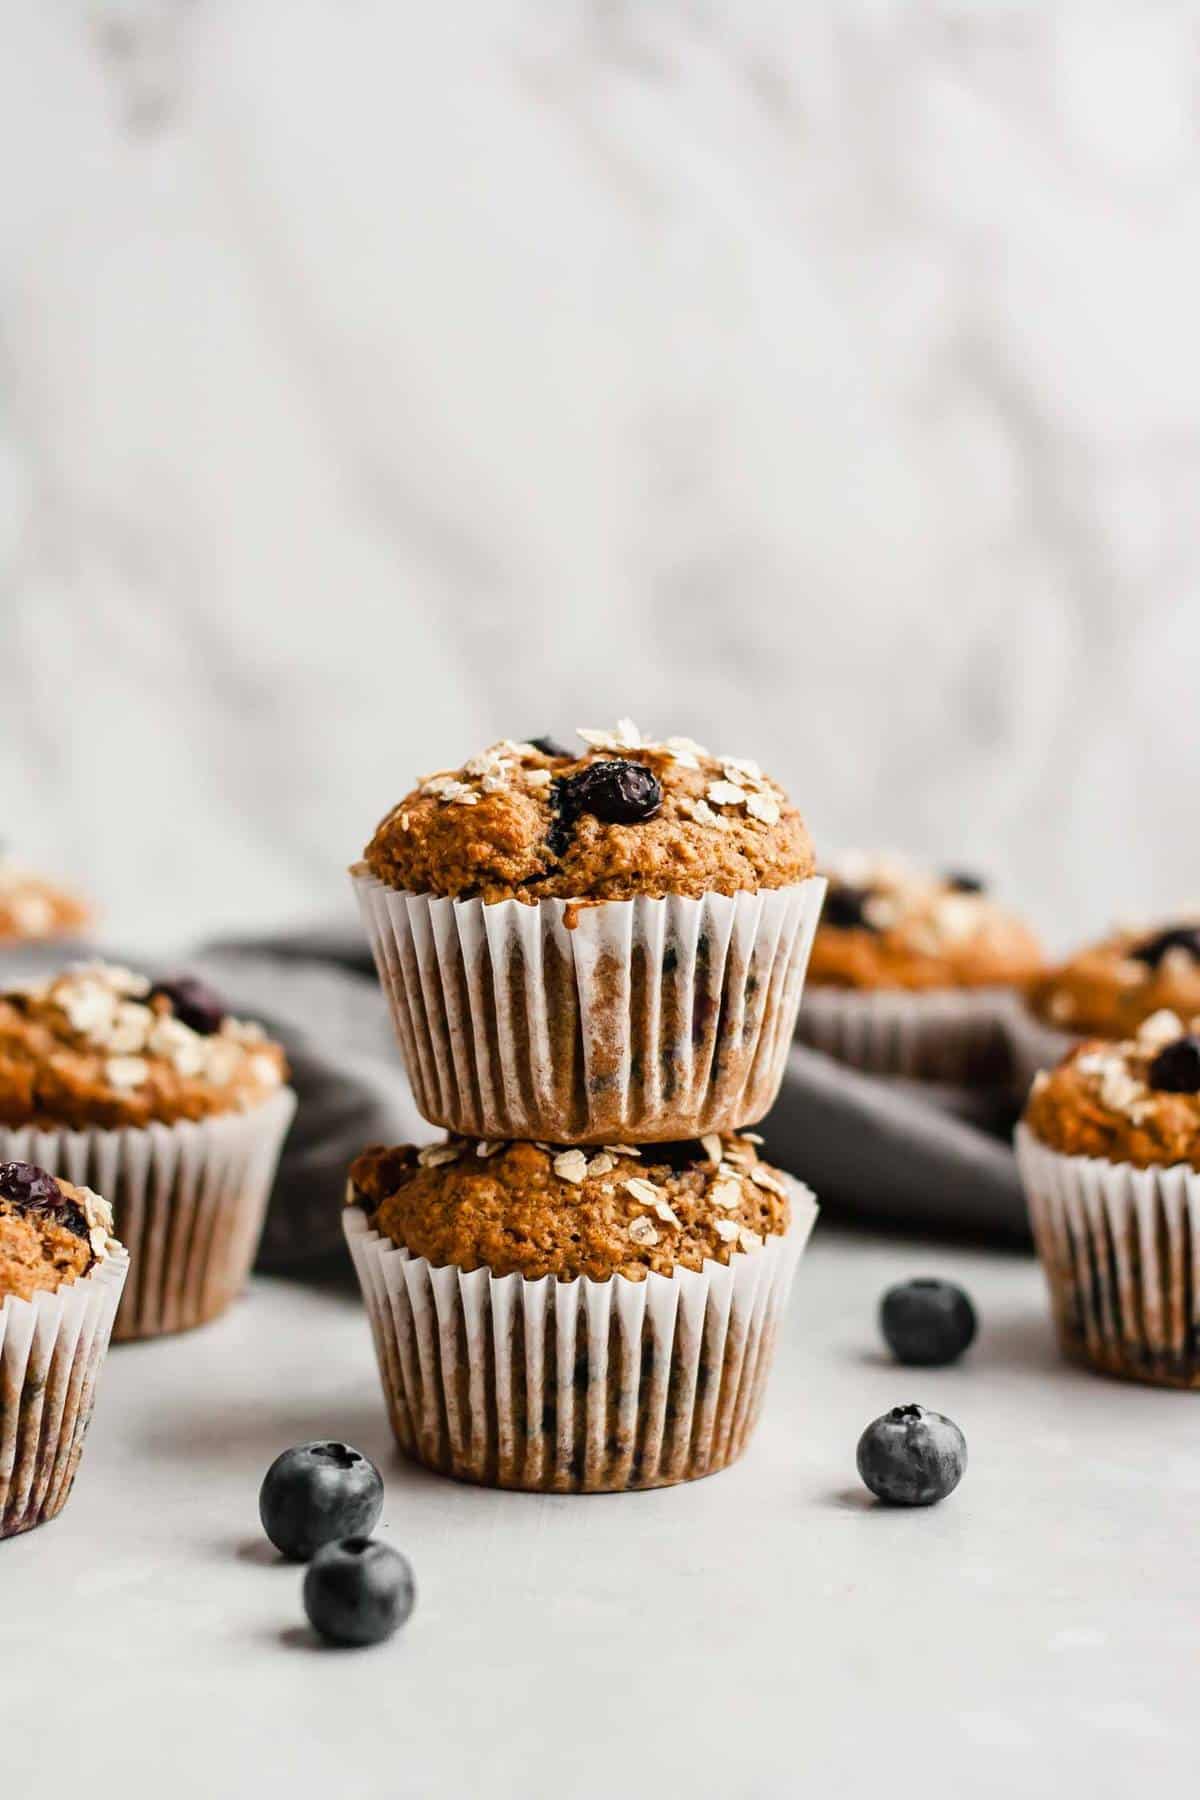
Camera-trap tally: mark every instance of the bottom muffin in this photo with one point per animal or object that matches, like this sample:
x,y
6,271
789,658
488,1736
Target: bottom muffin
x,y
575,1321
1109,1152
61,1276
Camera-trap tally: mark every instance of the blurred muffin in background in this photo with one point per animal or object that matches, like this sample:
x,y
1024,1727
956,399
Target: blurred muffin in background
x,y
33,909
913,973
1108,990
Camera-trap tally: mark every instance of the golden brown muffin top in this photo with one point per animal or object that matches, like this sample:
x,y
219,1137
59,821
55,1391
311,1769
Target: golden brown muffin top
x,y
887,924
51,1232
1137,1101
100,1045
32,908
542,1209
1108,989
625,817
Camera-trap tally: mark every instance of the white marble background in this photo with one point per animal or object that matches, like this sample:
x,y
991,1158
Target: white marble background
x,y
820,381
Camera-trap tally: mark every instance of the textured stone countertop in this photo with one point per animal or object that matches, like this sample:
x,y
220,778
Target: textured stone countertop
x,y
768,1631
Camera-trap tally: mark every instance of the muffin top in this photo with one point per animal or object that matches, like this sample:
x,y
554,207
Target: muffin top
x,y
51,1233
541,1209
886,924
533,821
102,1046
32,908
1109,988
1136,1101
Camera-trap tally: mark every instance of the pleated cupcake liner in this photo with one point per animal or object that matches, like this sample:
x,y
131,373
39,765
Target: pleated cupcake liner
x,y
958,1036
51,1349
1035,1045
1121,1250
643,1021
188,1199
575,1386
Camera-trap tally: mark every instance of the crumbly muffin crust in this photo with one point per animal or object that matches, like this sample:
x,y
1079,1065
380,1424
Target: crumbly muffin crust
x,y
51,1232
97,1046
503,827
1107,989
1104,1100
537,1209
887,924
32,908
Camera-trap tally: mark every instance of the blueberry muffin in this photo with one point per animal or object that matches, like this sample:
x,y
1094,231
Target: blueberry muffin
x,y
154,1094
594,945
56,1249
553,1317
913,973
1109,1150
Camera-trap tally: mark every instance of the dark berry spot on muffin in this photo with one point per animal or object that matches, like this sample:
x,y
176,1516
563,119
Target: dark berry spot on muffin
x,y
32,1190
845,908
1175,937
193,1001
616,793
547,746
964,883
1176,1068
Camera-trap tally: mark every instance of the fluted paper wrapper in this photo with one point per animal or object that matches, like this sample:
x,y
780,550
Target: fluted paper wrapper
x,y
953,1035
1035,1045
575,1386
51,1348
1121,1250
188,1201
647,1020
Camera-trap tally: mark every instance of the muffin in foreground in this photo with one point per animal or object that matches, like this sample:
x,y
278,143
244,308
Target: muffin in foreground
x,y
913,973
61,1275
1107,990
157,1097
575,1321
33,909
592,947
1109,1152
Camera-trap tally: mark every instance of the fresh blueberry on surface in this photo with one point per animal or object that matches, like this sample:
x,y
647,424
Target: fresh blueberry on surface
x,y
927,1322
616,793
1176,937
1176,1068
316,1493
964,883
194,1002
911,1456
358,1591
845,908
547,746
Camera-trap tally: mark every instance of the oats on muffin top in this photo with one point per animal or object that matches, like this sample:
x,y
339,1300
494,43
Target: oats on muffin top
x,y
530,821
102,1046
51,1232
544,1209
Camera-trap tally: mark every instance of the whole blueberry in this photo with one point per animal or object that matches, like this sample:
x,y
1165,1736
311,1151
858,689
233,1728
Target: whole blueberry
x,y
358,1591
845,908
193,1001
927,1322
316,1493
1175,937
912,1457
1176,1068
616,793
964,883
547,745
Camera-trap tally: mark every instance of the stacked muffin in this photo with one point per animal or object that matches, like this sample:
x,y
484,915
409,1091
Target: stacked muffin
x,y
593,964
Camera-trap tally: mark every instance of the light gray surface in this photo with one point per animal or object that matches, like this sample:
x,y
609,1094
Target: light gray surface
x,y
762,1633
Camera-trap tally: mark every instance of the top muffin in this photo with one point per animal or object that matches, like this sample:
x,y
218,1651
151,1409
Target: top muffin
x,y
1109,988
533,821
887,924
102,1046
32,909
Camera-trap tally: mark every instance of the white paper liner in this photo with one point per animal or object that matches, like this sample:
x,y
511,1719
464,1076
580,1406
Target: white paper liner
x,y
188,1201
649,1020
1035,1045
51,1348
575,1386
953,1035
1121,1250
